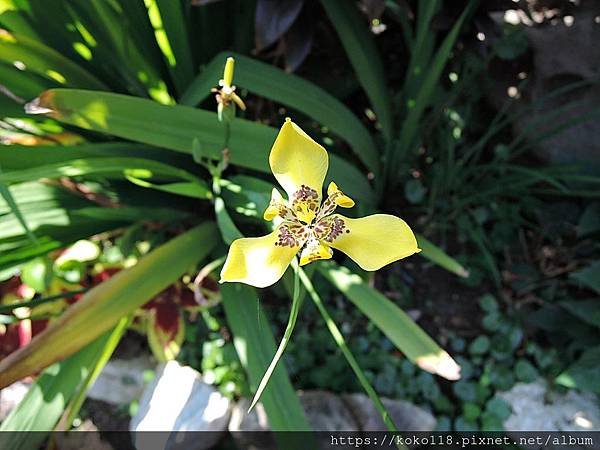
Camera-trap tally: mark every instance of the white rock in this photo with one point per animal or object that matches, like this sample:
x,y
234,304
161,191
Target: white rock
x,y
10,397
178,400
121,381
536,408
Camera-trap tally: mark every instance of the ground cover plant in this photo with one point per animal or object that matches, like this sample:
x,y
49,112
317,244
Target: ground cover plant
x,y
140,146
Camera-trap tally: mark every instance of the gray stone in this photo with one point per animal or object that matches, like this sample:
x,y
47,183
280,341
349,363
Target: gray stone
x,y
405,415
324,411
256,420
11,396
327,412
77,441
564,51
535,407
178,400
121,381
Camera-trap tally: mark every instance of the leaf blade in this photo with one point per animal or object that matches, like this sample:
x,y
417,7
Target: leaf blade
x,y
101,307
393,322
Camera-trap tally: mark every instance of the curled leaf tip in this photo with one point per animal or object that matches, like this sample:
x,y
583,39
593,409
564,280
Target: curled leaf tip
x,y
441,364
39,105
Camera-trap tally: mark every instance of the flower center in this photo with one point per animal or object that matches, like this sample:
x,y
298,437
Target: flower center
x,y
305,204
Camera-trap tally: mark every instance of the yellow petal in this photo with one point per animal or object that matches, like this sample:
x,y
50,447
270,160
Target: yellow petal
x,y
275,205
373,241
297,160
260,261
314,251
338,196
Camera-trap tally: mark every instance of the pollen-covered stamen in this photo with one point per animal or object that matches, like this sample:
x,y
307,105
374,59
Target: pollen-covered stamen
x,y
335,197
305,204
292,234
277,207
329,228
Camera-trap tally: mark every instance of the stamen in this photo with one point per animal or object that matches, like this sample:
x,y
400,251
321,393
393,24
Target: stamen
x,y
313,251
291,235
305,204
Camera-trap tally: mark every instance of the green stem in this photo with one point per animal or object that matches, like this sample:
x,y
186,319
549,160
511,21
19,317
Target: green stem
x,y
340,341
286,337
4,309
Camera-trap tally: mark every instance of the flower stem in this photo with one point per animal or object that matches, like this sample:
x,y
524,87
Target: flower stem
x,y
341,342
296,302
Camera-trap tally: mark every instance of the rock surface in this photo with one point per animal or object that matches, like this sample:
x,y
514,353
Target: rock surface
x,y
178,400
10,397
326,411
121,381
563,51
405,415
242,422
535,407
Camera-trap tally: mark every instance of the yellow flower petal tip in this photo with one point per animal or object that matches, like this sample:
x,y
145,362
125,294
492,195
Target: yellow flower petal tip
x,y
270,213
260,261
344,201
332,188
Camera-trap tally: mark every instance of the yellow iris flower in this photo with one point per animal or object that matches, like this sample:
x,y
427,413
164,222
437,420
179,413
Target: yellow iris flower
x,y
309,227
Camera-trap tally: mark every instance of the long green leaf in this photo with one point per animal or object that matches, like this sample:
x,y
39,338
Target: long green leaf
x,y
121,167
45,401
435,254
174,26
114,45
341,343
15,21
19,157
364,57
10,201
101,307
406,335
287,334
58,218
176,128
255,345
275,84
100,362
44,61
422,97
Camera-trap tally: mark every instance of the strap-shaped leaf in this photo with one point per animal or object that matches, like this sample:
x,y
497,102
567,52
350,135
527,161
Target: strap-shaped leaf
x,y
255,346
119,167
364,57
179,57
176,128
44,61
295,92
104,305
46,400
406,335
438,256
